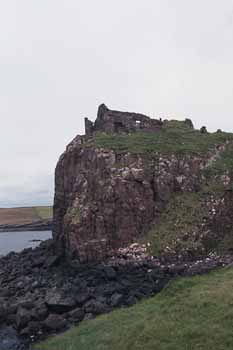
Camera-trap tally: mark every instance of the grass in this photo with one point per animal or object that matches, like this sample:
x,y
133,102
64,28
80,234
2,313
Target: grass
x,y
44,212
73,215
223,165
181,217
175,137
190,314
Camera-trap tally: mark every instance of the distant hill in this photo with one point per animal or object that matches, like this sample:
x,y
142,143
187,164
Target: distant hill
x,y
26,218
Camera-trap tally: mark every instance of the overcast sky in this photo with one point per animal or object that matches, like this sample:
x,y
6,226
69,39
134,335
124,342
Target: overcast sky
x,y
59,59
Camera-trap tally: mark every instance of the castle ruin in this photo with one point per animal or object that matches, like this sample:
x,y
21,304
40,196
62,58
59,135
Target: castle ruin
x,y
115,122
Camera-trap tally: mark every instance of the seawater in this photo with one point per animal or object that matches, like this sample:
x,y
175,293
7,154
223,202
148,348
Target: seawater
x,y
17,241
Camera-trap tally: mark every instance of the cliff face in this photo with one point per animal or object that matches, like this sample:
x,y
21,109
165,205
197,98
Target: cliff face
x,y
107,198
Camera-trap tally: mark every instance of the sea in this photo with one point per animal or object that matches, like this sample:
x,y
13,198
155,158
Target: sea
x,y
17,241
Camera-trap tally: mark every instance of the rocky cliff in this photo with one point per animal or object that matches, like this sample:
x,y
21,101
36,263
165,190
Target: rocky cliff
x,y
111,188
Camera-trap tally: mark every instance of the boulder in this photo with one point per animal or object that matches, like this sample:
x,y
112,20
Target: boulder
x,y
95,307
23,316
110,272
51,261
76,315
58,303
116,299
55,322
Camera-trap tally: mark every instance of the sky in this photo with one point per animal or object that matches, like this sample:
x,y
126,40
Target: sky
x,y
60,59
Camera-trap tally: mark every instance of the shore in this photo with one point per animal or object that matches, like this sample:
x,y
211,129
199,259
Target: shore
x,y
42,294
40,225
26,219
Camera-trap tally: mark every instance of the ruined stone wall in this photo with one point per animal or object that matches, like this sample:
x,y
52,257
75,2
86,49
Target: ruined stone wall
x,y
120,122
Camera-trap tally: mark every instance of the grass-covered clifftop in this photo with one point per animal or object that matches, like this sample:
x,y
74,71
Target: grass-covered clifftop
x,y
190,313
175,137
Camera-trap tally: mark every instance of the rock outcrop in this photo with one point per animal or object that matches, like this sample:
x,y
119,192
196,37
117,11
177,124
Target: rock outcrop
x,y
106,199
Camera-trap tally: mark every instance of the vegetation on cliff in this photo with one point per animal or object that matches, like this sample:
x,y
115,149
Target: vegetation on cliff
x,y
183,226
179,229
175,137
190,313
159,186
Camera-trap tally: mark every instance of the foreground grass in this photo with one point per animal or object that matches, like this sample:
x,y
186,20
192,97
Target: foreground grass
x,y
190,314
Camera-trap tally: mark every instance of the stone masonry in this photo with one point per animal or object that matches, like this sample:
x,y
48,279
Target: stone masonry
x,y
120,122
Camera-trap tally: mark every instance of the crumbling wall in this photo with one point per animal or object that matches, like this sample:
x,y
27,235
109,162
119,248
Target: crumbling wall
x,y
120,122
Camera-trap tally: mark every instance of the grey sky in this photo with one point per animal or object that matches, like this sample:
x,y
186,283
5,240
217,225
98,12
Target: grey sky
x,y
59,59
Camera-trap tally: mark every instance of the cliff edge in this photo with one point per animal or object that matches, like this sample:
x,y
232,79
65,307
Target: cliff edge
x,y
114,184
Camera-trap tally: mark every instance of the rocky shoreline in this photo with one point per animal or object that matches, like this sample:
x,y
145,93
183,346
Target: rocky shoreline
x,y
41,294
39,225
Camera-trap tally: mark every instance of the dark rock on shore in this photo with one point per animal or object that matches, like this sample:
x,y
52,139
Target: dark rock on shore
x,y
55,322
9,339
37,299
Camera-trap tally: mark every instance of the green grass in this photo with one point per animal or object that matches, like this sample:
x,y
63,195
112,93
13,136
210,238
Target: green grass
x,y
73,214
190,314
174,138
44,212
223,164
180,219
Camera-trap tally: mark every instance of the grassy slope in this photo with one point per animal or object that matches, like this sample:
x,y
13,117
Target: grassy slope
x,y
186,211
190,314
181,216
14,216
